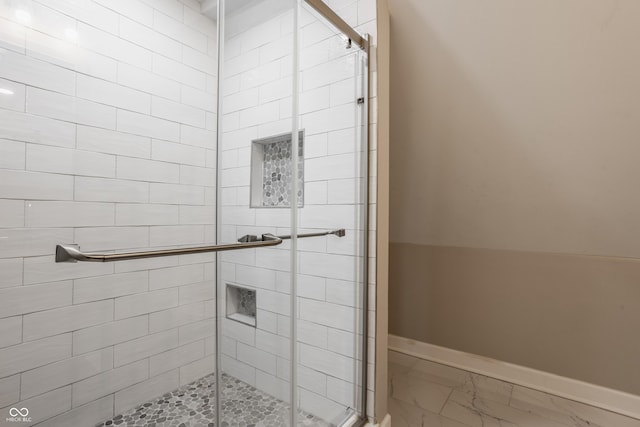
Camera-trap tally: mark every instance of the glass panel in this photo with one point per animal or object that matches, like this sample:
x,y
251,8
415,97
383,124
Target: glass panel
x,y
107,140
331,278
108,122
255,178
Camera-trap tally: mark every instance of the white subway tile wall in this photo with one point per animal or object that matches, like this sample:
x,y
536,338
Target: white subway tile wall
x,y
257,91
107,139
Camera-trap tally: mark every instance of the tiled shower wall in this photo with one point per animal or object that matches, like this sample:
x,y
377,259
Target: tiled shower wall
x,y
108,141
257,104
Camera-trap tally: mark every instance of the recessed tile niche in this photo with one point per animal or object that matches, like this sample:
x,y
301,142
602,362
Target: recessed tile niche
x,y
241,304
271,171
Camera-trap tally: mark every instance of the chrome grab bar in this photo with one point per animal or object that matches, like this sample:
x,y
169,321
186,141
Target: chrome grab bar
x,y
72,253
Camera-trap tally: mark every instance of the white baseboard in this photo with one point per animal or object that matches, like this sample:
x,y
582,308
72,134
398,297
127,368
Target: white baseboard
x,y
386,422
598,396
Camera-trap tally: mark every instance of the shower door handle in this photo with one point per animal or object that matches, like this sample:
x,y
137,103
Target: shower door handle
x,y
72,253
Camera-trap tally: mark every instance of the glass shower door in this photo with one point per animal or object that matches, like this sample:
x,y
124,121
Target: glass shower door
x,y
107,140
292,161
256,194
332,274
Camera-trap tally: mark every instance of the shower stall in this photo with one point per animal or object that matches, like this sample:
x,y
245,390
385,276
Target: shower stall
x,y
184,214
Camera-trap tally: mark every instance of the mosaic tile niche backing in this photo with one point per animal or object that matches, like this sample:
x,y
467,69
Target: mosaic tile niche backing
x,y
277,171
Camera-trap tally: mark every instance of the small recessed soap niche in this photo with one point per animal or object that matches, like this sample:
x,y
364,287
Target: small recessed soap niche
x,y
241,304
271,171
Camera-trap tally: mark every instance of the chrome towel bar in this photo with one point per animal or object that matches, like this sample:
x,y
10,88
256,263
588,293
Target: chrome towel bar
x,y
341,232
72,253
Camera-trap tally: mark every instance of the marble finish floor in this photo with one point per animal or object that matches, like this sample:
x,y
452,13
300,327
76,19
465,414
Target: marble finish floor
x,y
427,394
193,405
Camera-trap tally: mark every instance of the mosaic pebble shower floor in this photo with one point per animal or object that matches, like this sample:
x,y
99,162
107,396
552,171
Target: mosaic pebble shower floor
x,y
193,405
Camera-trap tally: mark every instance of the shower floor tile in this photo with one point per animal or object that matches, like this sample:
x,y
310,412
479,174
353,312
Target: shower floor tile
x,y
193,405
